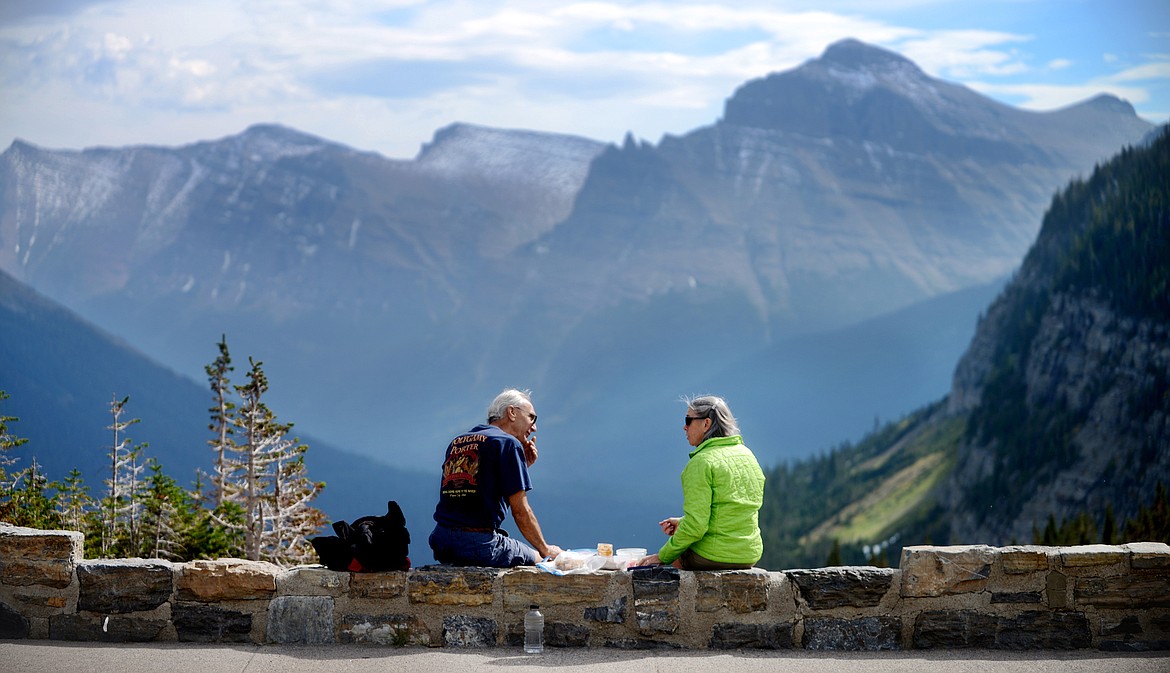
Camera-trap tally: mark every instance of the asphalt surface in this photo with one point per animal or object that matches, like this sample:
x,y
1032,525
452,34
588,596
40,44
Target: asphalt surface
x,y
67,657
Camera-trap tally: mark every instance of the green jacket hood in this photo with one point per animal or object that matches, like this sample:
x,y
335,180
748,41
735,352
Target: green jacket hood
x,y
730,440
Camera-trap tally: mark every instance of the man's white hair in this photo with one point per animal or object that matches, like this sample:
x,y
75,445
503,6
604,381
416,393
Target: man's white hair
x,y
509,398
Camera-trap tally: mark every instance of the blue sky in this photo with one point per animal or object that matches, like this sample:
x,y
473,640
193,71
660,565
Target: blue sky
x,y
383,75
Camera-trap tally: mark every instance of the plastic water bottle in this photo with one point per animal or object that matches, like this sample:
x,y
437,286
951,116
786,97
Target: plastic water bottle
x,y
533,631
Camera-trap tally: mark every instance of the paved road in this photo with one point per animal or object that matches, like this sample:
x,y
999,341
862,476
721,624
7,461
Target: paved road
x,y
62,657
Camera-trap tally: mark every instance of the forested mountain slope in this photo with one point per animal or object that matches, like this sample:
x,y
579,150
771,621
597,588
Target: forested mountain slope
x,y
1059,408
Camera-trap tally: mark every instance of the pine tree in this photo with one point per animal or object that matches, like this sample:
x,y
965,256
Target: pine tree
x,y
1152,523
1109,528
31,506
834,558
7,443
167,516
25,499
223,420
121,506
271,487
73,501
293,519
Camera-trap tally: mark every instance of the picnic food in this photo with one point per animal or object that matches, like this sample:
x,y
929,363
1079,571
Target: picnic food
x,y
569,561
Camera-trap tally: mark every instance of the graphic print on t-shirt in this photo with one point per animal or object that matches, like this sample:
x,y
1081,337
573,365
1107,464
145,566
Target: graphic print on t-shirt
x,y
461,469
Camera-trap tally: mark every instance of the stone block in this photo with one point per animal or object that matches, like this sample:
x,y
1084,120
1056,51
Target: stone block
x,y
556,633
1161,623
38,628
115,586
1056,590
953,629
864,634
1126,626
739,591
301,620
944,571
1134,645
1017,597
1023,560
377,585
13,625
312,581
38,557
464,631
566,634
19,572
448,585
1148,555
199,623
41,601
656,602
532,586
226,580
1092,556
733,636
106,628
827,588
1144,590
614,613
388,630
1043,630
1030,630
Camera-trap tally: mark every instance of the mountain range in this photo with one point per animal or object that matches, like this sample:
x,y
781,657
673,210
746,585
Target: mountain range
x,y
391,299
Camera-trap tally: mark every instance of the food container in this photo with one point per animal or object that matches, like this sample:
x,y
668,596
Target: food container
x,y
604,549
627,556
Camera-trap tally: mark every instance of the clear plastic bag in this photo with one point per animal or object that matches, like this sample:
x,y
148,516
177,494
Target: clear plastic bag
x,y
578,561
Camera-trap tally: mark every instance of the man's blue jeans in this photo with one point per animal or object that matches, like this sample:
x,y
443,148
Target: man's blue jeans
x,y
471,548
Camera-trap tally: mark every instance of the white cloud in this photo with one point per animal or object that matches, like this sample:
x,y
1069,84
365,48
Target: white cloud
x,y
385,74
1156,70
1054,96
967,53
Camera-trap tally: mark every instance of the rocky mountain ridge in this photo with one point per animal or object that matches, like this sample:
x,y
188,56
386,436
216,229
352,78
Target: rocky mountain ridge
x,y
479,264
844,188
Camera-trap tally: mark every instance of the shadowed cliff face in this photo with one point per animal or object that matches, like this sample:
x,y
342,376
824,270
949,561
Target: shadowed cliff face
x,y
1066,378
1100,377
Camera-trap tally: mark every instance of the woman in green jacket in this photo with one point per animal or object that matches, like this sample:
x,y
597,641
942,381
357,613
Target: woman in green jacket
x,y
723,489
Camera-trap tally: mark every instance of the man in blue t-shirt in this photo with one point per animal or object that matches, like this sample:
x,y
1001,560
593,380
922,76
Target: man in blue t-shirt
x,y
485,473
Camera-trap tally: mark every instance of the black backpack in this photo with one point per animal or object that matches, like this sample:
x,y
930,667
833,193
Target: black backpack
x,y
369,544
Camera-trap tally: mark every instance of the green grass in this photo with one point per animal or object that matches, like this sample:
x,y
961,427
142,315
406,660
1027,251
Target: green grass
x,y
897,499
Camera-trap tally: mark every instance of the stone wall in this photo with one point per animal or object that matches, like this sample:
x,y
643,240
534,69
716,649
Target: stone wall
x,y
1106,597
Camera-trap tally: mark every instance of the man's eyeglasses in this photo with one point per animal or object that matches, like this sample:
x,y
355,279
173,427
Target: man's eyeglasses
x,y
688,419
531,416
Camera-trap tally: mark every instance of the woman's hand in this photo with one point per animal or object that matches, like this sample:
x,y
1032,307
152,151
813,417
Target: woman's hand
x,y
670,525
651,560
